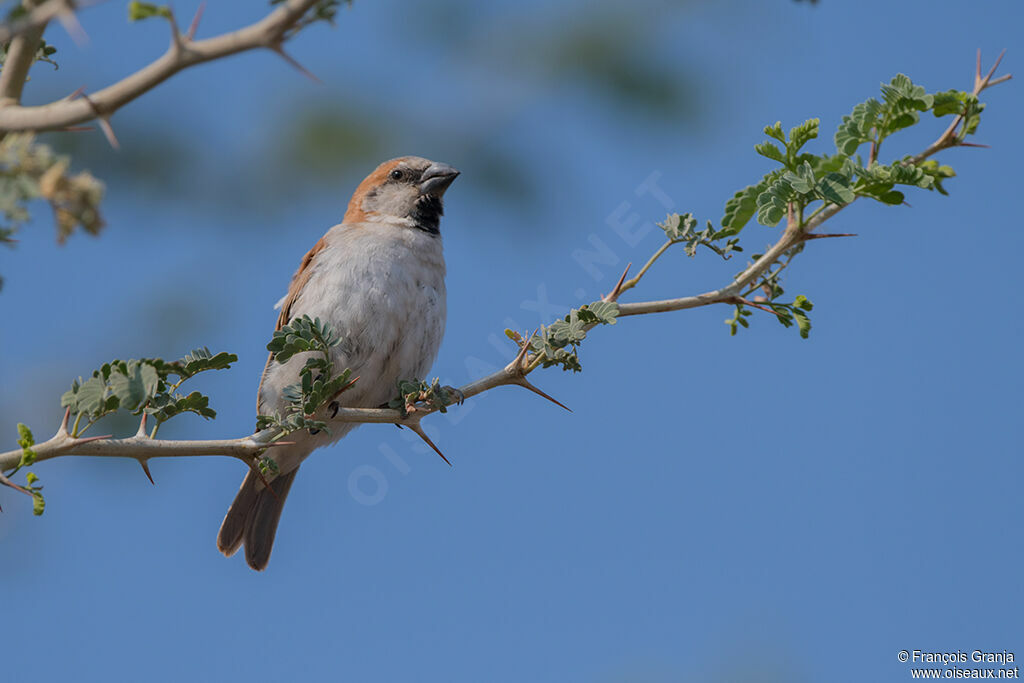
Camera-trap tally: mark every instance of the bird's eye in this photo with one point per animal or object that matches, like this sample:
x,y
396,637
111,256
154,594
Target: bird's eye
x,y
396,174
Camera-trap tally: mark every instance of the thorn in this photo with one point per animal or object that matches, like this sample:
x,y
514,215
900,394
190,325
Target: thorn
x,y
104,122
973,144
145,468
63,429
74,129
526,385
272,444
69,21
76,94
1001,79
995,66
195,21
141,433
617,290
291,60
820,236
108,132
415,426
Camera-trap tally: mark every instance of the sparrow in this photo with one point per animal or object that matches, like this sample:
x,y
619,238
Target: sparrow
x,y
378,279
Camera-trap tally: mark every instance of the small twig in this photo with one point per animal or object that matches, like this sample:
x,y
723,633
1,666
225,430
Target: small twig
x,y
633,281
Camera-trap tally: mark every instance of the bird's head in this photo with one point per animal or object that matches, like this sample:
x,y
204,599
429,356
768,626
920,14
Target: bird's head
x,y
406,191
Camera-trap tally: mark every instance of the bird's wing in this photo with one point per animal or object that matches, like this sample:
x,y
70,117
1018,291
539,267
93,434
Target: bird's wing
x,y
298,283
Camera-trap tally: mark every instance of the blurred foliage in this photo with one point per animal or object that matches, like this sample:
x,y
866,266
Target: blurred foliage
x,y
603,53
29,171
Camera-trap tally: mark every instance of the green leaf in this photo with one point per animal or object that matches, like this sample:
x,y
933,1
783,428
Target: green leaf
x,y
743,205
268,467
137,11
802,181
300,335
903,98
133,383
803,302
768,149
91,396
772,203
164,406
201,360
801,135
803,322
31,478
855,128
38,504
602,312
26,441
775,131
835,188
949,102
740,209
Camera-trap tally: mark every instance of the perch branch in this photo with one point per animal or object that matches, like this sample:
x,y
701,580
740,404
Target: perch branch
x,y
141,447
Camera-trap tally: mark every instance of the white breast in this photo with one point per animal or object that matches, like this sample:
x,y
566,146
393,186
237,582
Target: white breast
x,y
381,287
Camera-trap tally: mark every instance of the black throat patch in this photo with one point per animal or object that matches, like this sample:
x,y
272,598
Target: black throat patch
x,y
427,214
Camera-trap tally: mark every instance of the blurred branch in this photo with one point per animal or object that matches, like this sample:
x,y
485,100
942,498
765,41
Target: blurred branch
x,y
20,54
268,33
37,18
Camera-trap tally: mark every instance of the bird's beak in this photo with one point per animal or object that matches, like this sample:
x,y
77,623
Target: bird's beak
x,y
436,179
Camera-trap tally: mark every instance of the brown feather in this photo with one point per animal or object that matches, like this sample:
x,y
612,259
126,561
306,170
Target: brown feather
x,y
299,281
355,212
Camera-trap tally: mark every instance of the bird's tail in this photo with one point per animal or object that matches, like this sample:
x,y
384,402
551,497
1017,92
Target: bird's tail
x,y
252,519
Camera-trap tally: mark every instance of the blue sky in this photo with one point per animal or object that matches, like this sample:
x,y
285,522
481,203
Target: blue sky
x,y
757,508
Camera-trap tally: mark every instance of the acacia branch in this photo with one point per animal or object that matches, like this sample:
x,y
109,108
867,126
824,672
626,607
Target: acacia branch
x,y
268,33
247,448
139,447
